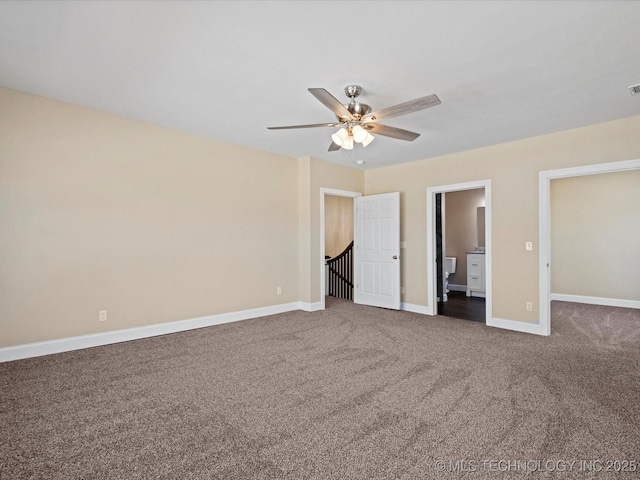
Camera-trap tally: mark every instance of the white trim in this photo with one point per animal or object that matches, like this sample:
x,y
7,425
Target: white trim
x,y
592,169
544,209
609,302
410,307
337,193
514,325
432,291
443,240
49,347
311,307
544,241
517,326
431,231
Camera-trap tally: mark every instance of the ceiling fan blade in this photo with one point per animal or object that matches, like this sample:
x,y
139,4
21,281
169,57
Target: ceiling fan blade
x,y
333,147
312,125
404,108
392,132
331,102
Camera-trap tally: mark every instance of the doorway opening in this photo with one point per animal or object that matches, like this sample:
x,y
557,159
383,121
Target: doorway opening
x,y
459,267
545,178
460,254
336,237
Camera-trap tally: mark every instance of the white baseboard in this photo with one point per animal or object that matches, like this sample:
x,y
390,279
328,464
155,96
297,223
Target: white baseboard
x,y
410,307
49,347
310,307
517,326
18,352
609,302
457,288
534,328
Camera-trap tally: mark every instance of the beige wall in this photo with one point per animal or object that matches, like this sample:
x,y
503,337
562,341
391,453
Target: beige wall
x,y
338,224
100,212
595,235
513,169
461,229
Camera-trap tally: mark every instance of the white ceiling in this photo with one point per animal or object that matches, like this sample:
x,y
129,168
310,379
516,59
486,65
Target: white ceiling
x,y
227,70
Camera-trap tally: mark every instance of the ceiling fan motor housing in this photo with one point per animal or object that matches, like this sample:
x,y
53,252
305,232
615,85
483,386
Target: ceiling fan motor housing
x,y
358,110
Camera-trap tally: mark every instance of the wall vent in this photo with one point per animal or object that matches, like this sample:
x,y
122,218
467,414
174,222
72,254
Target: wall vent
x,y
634,89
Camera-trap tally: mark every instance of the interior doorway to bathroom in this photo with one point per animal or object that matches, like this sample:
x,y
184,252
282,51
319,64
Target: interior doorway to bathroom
x,y
460,272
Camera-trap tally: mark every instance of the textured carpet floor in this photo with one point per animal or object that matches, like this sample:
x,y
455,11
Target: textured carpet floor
x,y
350,392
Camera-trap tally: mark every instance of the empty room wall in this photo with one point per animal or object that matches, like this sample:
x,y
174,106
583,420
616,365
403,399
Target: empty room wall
x,y
513,169
595,235
99,212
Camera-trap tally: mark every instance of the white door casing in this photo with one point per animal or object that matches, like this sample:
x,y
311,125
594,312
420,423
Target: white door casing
x,y
377,250
431,245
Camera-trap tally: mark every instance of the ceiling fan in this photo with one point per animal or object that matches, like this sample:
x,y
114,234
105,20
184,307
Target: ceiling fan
x,y
357,122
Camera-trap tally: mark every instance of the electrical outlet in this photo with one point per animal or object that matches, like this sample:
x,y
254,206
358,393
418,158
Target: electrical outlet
x,y
279,291
529,306
102,316
528,246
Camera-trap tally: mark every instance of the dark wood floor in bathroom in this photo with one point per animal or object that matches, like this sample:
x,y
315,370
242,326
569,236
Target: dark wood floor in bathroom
x,y
461,306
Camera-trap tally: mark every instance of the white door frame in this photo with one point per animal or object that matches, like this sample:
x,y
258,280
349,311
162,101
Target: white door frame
x,y
443,234
432,293
323,193
544,210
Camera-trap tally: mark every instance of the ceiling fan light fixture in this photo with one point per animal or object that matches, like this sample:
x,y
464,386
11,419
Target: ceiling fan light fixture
x,y
347,144
359,134
368,139
340,137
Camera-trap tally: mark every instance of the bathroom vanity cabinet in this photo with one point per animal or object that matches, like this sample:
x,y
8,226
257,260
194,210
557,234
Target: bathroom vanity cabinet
x,y
475,274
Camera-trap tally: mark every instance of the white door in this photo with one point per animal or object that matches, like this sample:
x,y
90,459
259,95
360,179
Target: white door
x,y
377,250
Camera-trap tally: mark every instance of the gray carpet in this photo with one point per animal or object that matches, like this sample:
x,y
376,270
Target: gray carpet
x,y
350,392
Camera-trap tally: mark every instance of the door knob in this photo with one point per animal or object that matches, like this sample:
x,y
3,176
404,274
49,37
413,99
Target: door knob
x,y
395,257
